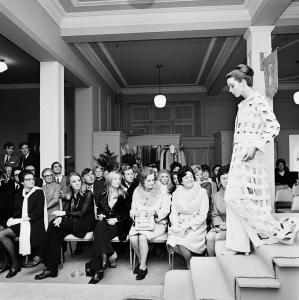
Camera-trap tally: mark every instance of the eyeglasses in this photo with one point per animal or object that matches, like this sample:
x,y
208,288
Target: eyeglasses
x,y
29,179
30,169
48,175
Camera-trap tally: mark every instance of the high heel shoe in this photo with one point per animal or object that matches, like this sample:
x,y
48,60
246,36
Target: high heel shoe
x,y
104,261
96,278
14,270
112,260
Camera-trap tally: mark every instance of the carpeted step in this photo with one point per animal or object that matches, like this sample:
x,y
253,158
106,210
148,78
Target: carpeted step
x,y
62,291
208,279
251,267
178,285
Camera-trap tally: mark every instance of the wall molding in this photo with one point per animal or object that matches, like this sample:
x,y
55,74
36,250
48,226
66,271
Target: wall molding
x,y
54,9
112,62
19,86
144,90
97,64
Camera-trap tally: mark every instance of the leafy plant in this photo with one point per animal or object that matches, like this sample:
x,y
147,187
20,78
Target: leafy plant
x,y
108,160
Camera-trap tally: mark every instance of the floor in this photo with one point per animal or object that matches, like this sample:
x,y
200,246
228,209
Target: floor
x,y
122,277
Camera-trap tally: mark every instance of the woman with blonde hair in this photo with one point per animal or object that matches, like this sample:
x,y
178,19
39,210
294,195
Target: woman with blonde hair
x,y
150,204
112,220
164,180
76,219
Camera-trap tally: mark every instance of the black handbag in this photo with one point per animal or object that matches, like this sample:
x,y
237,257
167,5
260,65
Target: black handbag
x,y
89,270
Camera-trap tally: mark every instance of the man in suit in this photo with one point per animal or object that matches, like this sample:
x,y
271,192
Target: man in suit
x,y
52,192
28,157
8,158
60,178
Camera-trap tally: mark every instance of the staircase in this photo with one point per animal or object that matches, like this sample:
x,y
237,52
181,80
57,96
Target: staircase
x,y
271,272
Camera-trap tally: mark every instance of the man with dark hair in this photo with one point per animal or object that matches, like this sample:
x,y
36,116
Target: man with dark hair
x,y
60,178
8,158
28,158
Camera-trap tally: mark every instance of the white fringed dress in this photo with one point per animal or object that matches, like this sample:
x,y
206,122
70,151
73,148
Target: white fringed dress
x,y
247,193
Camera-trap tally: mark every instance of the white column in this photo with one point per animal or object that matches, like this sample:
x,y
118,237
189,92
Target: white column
x,y
51,113
259,47
83,128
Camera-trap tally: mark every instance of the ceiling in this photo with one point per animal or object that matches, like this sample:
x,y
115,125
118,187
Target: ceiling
x,y
195,62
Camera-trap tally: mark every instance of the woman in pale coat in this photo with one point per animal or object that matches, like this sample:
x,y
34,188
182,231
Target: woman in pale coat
x,y
148,198
188,228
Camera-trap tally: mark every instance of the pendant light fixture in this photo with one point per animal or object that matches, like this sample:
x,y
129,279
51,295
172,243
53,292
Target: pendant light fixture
x,y
159,100
3,65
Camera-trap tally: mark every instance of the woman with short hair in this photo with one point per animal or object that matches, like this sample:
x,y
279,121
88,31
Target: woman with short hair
x,y
149,203
188,228
29,222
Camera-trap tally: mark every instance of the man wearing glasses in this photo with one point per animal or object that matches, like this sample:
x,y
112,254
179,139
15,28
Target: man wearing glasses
x,y
52,192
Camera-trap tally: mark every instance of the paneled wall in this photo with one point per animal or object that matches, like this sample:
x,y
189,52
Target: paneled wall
x,y
210,113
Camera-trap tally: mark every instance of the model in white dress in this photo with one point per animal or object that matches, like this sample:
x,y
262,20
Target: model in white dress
x,y
247,194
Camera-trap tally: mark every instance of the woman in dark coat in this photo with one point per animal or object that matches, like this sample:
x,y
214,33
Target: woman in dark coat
x,y
113,220
77,219
29,222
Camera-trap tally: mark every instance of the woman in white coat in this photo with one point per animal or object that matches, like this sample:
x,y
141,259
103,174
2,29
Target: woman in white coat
x,y
188,227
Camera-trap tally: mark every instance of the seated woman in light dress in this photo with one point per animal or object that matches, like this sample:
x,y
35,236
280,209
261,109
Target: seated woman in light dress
x,y
218,230
149,199
188,228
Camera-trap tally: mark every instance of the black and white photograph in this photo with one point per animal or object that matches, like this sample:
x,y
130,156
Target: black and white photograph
x,y
149,149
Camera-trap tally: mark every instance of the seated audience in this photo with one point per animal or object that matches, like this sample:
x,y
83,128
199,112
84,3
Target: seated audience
x,y
206,177
175,166
135,169
29,223
164,180
174,179
28,157
218,230
8,172
149,211
129,183
284,179
52,192
113,220
215,178
60,178
99,173
8,157
77,219
188,228
38,181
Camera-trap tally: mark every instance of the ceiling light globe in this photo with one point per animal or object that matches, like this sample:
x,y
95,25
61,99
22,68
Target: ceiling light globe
x,y
3,66
296,97
160,101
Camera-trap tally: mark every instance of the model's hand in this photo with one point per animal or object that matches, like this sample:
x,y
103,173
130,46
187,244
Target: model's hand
x,y
250,153
111,221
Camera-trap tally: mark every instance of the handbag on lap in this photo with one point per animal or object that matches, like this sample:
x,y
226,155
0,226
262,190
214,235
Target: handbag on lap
x,y
145,221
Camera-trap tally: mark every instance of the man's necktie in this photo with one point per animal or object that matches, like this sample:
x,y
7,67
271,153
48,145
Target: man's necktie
x,y
57,180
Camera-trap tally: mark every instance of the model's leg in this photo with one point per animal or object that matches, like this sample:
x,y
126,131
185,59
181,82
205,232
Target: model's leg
x,y
186,253
211,242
